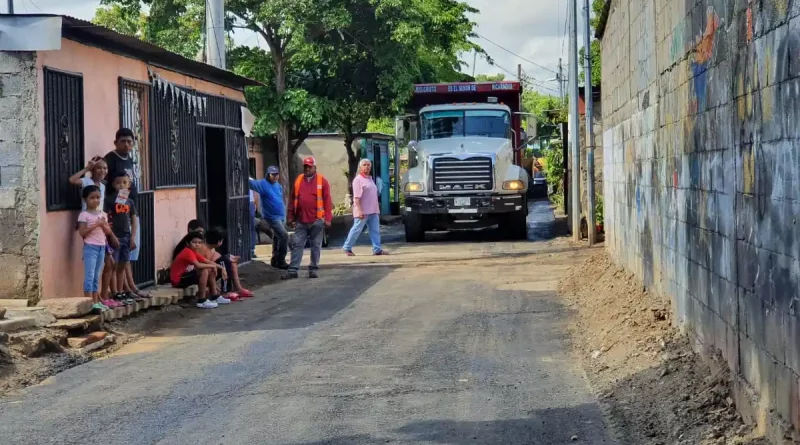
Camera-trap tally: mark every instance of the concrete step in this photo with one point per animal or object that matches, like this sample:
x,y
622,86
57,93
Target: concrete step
x,y
78,324
17,324
41,314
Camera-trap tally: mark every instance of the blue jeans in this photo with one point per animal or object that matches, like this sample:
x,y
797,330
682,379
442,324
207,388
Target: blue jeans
x,y
373,223
93,259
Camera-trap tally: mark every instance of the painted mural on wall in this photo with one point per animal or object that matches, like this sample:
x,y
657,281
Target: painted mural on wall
x,y
702,175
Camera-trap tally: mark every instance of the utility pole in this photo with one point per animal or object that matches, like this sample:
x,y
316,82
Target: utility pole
x,y
215,33
574,132
519,76
591,223
10,6
560,81
474,61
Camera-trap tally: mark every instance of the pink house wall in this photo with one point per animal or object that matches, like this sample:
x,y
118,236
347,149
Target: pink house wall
x,y
61,267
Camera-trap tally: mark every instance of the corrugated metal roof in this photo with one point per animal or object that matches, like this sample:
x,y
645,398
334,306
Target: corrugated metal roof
x,y
94,35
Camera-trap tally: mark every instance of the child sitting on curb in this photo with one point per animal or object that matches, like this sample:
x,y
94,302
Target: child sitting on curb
x,y
229,262
231,284
189,268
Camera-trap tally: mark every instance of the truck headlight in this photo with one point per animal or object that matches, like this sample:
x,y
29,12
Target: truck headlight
x,y
513,185
414,187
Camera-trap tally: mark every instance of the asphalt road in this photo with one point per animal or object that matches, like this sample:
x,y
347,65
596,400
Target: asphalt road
x,y
456,341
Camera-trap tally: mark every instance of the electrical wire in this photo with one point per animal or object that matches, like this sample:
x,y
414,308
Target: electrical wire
x,y
527,79
515,54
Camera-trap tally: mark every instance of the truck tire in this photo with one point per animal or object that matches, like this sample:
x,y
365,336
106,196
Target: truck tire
x,y
414,225
515,225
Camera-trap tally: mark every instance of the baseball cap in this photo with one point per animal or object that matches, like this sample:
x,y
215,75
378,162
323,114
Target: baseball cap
x,y
309,160
272,170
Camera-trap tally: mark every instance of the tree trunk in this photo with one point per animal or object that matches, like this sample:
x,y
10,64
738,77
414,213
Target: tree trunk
x,y
283,133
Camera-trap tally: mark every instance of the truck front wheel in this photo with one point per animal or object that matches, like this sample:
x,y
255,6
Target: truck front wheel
x,y
515,225
415,227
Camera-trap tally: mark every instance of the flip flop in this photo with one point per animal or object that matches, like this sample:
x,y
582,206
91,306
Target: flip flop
x,y
141,294
245,293
233,296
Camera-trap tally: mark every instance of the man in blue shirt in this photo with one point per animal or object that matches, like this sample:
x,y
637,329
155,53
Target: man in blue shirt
x,y
273,210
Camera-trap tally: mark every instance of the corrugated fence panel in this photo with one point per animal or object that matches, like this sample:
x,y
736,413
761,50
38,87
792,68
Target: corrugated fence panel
x,y
64,138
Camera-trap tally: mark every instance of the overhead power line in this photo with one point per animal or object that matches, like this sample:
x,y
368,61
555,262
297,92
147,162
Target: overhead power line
x,y
515,54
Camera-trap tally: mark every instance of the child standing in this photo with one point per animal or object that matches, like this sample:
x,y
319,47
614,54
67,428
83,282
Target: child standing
x,y
98,170
122,215
93,228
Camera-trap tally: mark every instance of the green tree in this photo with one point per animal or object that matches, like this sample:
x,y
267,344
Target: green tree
x,y
175,25
490,77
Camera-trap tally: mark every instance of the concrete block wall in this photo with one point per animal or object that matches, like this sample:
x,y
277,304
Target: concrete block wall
x,y
19,179
701,111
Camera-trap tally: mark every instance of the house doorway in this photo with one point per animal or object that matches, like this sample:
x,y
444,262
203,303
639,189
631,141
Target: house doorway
x,y
215,180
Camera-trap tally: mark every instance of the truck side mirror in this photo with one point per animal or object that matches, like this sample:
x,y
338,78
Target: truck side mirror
x,y
412,131
400,129
530,127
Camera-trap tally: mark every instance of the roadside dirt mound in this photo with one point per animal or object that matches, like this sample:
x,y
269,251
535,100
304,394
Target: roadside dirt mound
x,y
654,388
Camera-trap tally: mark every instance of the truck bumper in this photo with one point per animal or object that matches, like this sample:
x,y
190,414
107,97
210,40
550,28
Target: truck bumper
x,y
467,206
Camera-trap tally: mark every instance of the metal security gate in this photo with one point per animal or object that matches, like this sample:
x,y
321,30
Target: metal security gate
x,y
144,270
239,222
64,138
135,110
224,115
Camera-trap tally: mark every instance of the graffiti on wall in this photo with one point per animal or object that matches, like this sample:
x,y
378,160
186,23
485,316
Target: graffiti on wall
x,y
704,52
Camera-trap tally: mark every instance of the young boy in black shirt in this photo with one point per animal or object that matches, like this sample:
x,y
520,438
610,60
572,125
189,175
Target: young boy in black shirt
x,y
121,211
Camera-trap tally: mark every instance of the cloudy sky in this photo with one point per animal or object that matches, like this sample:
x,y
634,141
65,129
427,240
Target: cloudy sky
x,y
531,31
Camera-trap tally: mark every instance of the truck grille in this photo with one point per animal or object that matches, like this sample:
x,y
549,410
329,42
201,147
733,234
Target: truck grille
x,y
458,175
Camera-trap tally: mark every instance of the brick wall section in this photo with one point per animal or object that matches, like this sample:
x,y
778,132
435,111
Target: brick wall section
x,y
19,181
701,113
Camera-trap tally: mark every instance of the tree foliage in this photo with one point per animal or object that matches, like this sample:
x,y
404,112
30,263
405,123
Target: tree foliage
x,y
329,64
175,25
490,77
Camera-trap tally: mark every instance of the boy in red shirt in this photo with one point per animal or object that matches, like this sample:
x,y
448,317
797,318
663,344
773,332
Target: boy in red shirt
x,y
189,269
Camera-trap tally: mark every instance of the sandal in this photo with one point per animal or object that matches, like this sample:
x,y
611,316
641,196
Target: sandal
x,y
245,293
233,296
141,294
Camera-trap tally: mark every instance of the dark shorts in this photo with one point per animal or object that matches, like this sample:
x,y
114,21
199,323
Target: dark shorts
x,y
122,254
190,278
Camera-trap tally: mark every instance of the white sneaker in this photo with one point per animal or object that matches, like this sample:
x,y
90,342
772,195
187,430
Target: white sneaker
x,y
208,304
222,300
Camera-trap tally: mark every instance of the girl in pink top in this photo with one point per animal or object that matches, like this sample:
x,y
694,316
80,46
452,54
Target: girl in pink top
x,y
366,212
93,228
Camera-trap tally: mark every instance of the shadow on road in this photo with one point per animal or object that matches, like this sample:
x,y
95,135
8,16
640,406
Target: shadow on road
x,y
287,304
546,426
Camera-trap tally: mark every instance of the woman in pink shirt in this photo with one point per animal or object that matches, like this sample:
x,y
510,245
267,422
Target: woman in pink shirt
x,y
366,212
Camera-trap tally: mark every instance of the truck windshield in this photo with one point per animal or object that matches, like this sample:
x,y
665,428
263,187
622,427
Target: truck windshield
x,y
455,123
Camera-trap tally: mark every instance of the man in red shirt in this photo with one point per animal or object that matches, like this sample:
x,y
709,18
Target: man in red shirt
x,y
310,211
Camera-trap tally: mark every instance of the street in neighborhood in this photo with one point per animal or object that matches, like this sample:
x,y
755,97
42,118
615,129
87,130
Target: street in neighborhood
x,y
459,340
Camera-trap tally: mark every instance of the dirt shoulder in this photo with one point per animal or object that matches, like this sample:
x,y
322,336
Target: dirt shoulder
x,y
653,387
27,358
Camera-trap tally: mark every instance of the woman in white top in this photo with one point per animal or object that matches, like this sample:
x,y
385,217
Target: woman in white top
x,y
98,169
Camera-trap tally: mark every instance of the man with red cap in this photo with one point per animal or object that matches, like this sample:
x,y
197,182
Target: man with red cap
x,y
310,211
